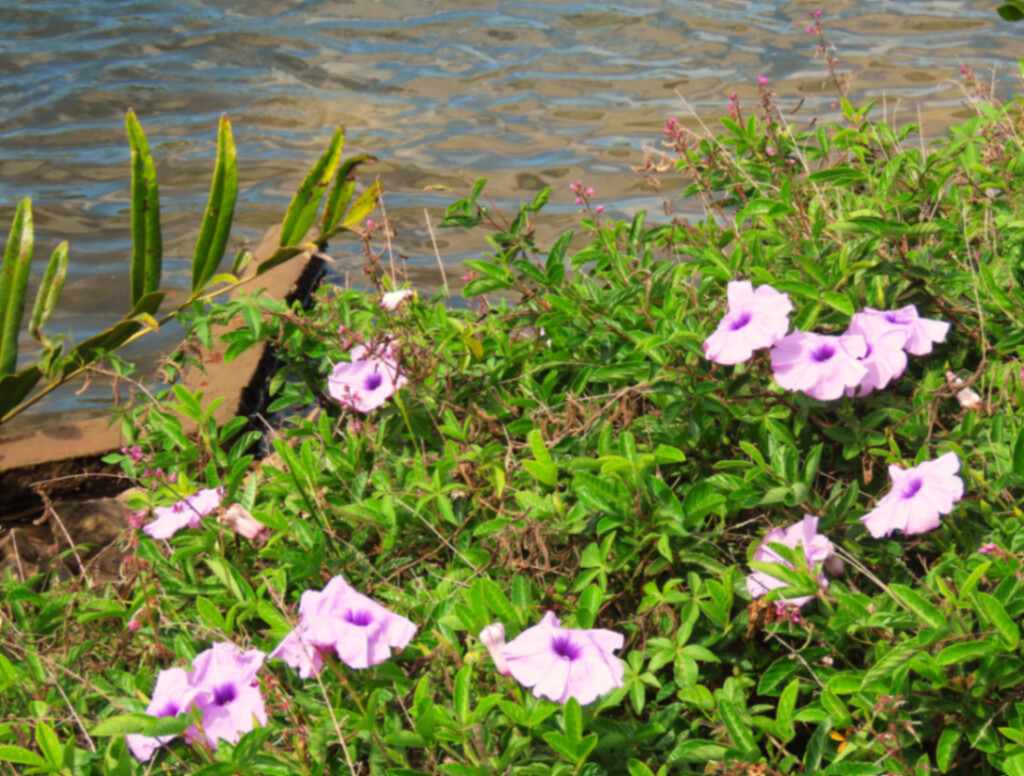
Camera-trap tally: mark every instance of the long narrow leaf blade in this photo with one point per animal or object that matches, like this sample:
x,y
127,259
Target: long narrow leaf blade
x,y
341,192
49,292
14,285
213,236
109,340
305,203
361,208
15,387
147,242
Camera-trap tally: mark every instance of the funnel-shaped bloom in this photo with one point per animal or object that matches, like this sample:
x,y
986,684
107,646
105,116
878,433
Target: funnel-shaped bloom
x,y
392,300
185,514
885,358
561,663
921,332
227,693
240,520
919,496
367,381
818,365
817,549
493,637
172,695
754,320
341,621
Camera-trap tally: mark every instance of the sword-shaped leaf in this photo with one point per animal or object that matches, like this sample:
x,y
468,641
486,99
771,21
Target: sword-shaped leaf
x,y
281,255
49,292
341,192
213,236
14,285
147,244
305,203
15,387
361,208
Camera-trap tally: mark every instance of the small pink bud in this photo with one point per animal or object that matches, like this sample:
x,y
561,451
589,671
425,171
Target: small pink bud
x,y
834,565
369,223
734,96
762,80
811,30
817,14
590,191
770,150
493,637
134,625
963,69
599,209
579,201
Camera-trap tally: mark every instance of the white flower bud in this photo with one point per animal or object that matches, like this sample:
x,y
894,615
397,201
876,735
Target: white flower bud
x,y
493,637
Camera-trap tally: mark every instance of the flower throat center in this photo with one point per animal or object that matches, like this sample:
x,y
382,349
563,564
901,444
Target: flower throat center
x,y
913,487
372,382
361,619
741,320
563,647
823,353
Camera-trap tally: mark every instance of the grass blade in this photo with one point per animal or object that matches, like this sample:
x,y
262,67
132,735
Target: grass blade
x,y
147,243
305,203
14,285
49,292
213,236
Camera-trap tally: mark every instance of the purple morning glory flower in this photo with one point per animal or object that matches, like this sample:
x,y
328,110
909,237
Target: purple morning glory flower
x,y
227,692
172,695
919,496
921,332
367,381
885,358
817,549
561,663
754,320
185,514
341,621
818,365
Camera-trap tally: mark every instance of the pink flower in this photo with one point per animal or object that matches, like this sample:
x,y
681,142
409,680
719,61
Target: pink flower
x,y
811,29
770,150
561,663
921,332
817,549
754,320
172,695
885,358
734,96
186,513
341,621
226,691
817,14
820,366
238,519
990,548
367,381
918,497
762,80
599,209
493,637
392,300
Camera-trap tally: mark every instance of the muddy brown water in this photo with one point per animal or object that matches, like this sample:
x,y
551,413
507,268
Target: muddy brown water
x,y
527,94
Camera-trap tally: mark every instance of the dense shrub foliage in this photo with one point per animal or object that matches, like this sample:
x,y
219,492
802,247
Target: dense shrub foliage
x,y
565,446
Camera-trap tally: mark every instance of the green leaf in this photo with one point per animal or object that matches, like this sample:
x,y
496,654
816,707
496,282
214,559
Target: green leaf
x,y
1000,620
49,744
787,707
14,285
816,746
117,335
1011,12
302,210
945,750
546,470
220,209
19,755
461,696
210,614
123,724
637,768
363,206
497,602
342,191
573,718
924,611
590,603
739,731
16,387
147,242
956,654
1018,455
49,291
890,662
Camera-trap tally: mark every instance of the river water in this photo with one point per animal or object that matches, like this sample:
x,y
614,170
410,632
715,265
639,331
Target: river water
x,y
527,94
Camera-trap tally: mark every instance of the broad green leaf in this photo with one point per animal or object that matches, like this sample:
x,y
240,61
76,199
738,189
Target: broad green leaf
x,y
220,209
461,695
123,724
787,707
20,755
918,605
955,654
14,285
147,242
49,292
302,210
14,388
1000,620
816,746
739,731
945,750
573,717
